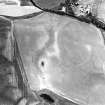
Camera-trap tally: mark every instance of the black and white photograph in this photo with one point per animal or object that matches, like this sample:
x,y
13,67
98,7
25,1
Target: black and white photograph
x,y
52,52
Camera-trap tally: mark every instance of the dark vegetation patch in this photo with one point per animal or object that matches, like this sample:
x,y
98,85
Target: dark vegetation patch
x,y
47,98
89,18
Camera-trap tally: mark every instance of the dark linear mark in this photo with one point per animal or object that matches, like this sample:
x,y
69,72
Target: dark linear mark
x,y
23,82
23,17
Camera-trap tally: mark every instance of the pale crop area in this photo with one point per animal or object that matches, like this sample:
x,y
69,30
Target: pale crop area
x,y
69,61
